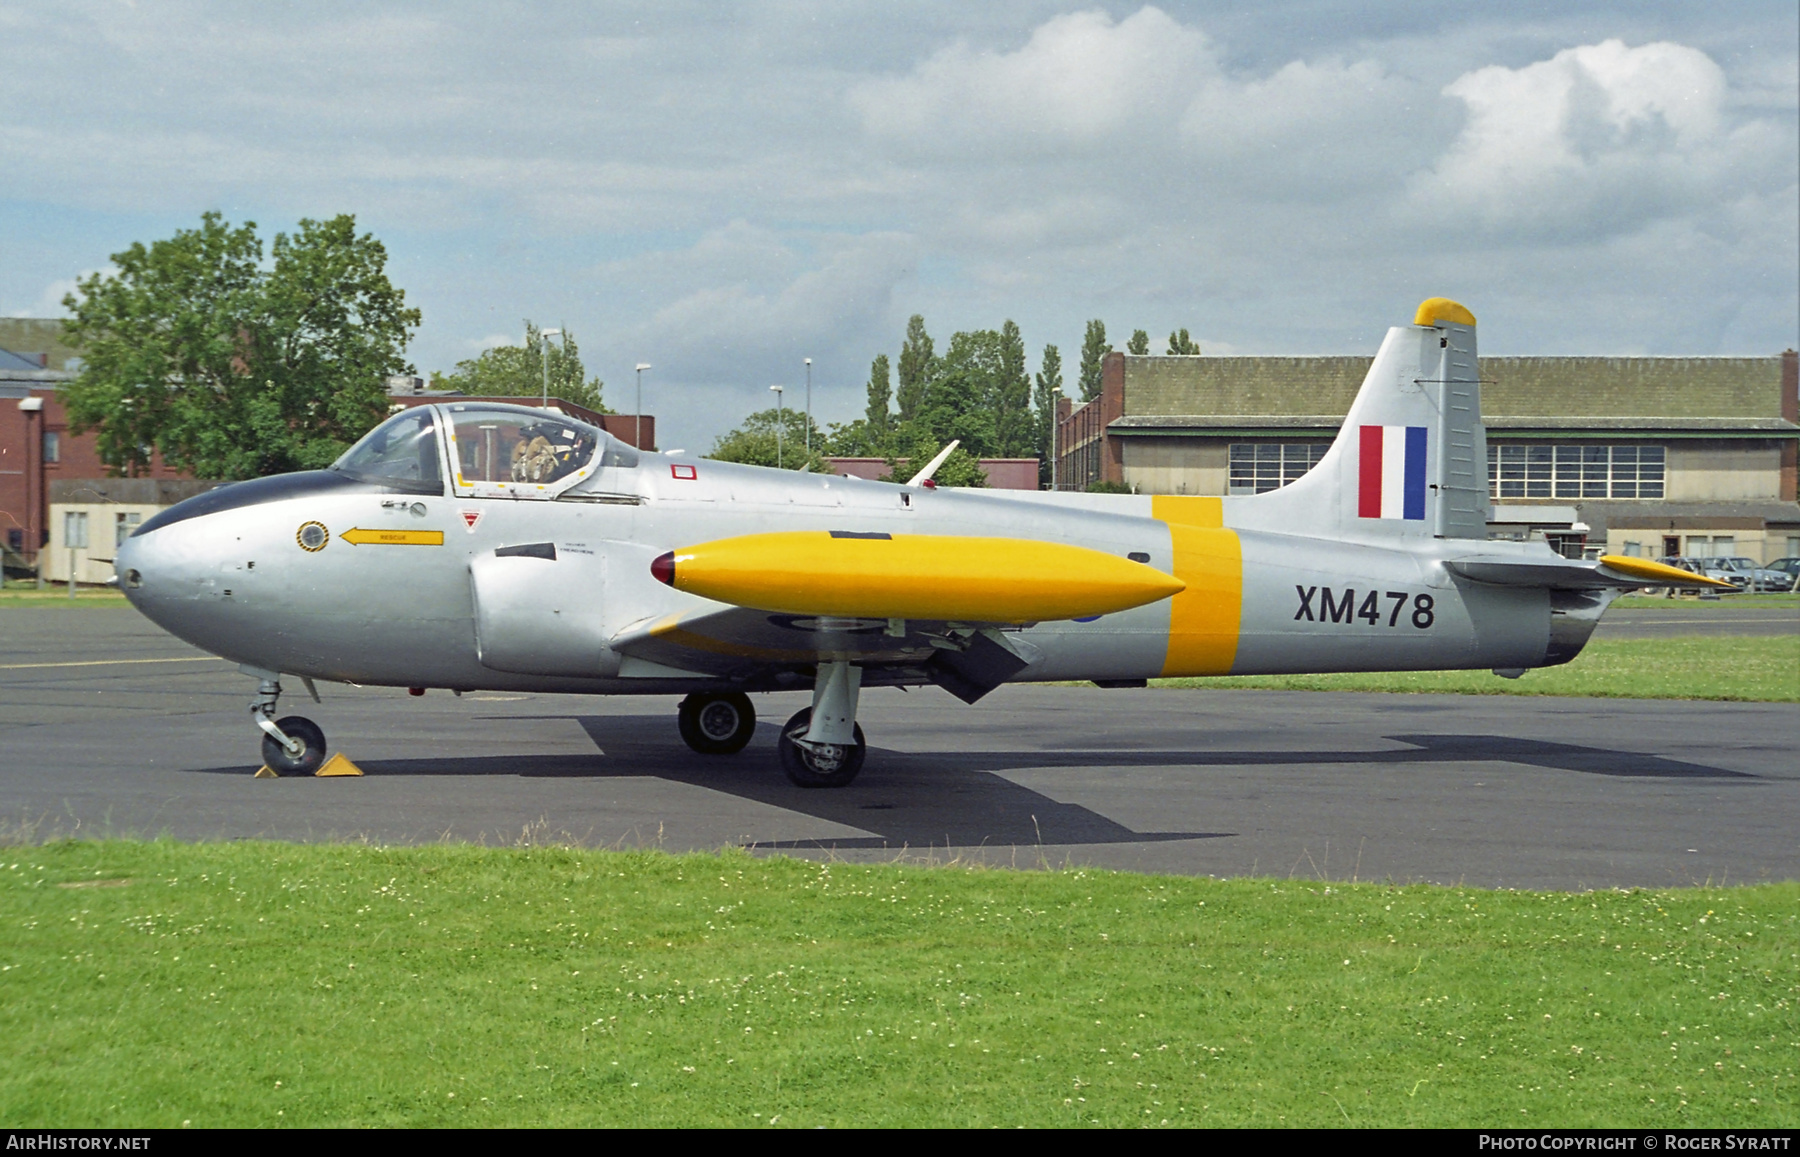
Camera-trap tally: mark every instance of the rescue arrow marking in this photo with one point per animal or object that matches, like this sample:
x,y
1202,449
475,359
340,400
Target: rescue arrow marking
x,y
359,536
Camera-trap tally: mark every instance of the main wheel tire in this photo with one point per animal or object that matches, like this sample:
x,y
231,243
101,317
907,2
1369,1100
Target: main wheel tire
x,y
835,766
717,722
312,752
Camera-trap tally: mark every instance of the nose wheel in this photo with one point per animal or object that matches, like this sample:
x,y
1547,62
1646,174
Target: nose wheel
x,y
307,734
293,745
716,723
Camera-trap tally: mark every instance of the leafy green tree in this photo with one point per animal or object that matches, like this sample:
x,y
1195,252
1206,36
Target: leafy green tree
x,y
511,371
1093,348
230,367
754,442
1139,343
1180,343
880,395
1043,403
1013,428
855,440
918,363
959,399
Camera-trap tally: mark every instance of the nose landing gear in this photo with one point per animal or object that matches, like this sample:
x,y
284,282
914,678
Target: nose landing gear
x,y
293,745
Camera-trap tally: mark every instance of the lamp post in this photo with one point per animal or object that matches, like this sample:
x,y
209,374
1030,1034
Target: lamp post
x,y
38,513
778,424
809,409
637,423
546,335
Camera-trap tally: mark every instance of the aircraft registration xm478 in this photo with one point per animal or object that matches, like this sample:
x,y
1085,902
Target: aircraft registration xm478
x,y
467,545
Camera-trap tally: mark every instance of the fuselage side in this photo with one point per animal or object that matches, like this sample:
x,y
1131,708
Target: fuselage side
x,y
380,593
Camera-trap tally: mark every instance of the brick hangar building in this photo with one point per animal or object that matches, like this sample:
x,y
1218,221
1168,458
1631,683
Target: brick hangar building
x,y
1638,456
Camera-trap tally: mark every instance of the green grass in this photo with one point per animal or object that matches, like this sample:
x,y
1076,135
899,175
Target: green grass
x,y
24,593
1754,668
160,984
1769,602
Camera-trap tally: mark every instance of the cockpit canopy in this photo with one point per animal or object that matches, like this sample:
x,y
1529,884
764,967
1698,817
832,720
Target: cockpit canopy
x,y
401,453
502,444
494,450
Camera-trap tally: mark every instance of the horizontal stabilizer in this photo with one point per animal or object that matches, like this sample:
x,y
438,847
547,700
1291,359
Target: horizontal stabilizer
x,y
1608,572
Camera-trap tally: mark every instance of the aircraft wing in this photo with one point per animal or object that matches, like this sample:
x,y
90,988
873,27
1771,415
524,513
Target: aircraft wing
x,y
1607,572
919,604
745,644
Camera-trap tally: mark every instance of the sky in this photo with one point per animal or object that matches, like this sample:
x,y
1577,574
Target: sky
x,y
725,190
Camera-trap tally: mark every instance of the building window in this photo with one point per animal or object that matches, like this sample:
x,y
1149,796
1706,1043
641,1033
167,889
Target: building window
x,y
1634,550
123,525
1259,467
52,446
1574,471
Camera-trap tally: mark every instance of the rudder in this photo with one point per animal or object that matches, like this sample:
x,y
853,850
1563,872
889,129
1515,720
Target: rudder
x,y
1411,458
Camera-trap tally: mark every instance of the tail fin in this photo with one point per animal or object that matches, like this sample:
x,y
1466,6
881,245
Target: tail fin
x,y
1411,459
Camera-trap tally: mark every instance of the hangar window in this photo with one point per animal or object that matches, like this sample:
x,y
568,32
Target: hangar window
x,y
1258,467
1575,471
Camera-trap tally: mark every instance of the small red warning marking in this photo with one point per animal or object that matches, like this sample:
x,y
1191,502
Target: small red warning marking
x,y
471,519
687,473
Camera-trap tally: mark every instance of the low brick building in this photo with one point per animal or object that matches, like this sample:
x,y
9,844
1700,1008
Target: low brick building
x,y
1638,455
1002,473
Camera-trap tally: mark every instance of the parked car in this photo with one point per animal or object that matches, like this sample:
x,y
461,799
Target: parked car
x,y
1748,574
1788,566
1703,566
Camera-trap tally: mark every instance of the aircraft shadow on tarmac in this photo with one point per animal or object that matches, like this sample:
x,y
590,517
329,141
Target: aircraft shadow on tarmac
x,y
958,799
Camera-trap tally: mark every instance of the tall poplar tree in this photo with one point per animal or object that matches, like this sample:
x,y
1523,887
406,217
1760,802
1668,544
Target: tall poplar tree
x,y
1139,343
918,362
881,392
1043,403
1093,348
1013,427
1180,343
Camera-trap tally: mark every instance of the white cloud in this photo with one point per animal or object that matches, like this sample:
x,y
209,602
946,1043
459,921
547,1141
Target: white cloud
x,y
49,303
1601,138
1079,79
765,316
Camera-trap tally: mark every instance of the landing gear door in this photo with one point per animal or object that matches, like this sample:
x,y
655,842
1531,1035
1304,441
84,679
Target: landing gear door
x,y
518,453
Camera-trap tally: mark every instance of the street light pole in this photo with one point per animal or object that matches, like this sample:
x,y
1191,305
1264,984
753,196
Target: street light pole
x,y
779,423
637,423
809,409
545,336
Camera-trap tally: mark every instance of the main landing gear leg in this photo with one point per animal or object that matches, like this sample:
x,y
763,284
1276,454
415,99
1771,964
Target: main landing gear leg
x,y
822,746
291,746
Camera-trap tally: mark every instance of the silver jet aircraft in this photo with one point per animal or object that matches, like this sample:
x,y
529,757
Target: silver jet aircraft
x,y
467,545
